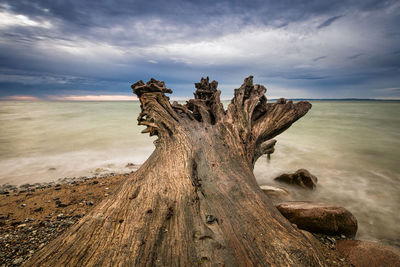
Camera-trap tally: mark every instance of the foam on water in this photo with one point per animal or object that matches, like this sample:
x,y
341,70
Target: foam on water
x,y
352,147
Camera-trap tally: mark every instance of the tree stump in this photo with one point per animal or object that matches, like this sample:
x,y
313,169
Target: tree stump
x,y
195,201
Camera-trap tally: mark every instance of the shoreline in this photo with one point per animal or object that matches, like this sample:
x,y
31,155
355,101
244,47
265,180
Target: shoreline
x,y
33,215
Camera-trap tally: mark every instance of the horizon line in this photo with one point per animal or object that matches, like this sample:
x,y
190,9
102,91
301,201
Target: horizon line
x,y
125,98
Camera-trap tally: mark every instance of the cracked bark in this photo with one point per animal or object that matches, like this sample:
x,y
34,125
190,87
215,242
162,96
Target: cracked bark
x,y
195,200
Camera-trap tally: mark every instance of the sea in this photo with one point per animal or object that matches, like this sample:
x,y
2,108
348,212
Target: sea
x,y
353,147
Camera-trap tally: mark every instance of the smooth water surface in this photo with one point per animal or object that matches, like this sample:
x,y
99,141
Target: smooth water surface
x,y
352,147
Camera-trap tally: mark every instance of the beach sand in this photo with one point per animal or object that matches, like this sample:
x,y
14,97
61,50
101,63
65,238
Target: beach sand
x,y
33,215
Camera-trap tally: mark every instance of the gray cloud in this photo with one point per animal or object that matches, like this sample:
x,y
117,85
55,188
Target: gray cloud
x,y
329,21
355,56
101,45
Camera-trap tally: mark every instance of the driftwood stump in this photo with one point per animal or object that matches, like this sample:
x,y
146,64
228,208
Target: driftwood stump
x,y
195,200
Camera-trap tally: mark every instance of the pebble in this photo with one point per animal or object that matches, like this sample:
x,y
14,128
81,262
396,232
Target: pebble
x,y
18,261
4,192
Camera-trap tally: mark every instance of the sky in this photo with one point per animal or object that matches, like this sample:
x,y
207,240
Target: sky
x,y
95,49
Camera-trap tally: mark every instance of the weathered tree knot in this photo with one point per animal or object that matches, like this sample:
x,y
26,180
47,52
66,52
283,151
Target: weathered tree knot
x,y
210,219
170,212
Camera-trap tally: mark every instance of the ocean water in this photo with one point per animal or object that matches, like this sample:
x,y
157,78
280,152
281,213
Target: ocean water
x,y
352,147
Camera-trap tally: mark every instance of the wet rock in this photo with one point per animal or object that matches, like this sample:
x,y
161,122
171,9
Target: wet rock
x,y
365,253
132,166
275,192
301,177
319,217
25,186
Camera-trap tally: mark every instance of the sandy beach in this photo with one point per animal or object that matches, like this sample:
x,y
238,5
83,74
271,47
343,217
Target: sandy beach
x,y
33,215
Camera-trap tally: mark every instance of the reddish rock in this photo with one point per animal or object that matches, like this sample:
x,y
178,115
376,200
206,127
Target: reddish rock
x,y
364,253
320,217
302,178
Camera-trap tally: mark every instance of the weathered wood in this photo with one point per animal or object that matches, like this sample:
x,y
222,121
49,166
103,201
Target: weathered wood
x,y
195,200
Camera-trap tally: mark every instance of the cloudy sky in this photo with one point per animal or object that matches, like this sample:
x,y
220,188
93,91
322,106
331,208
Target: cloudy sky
x,y
74,49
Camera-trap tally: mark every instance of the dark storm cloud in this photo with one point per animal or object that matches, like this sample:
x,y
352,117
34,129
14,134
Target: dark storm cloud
x,y
98,46
329,21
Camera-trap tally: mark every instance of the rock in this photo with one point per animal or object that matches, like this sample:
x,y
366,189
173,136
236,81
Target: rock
x,y
25,186
18,261
132,166
275,193
301,177
38,209
365,253
319,217
15,223
4,192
